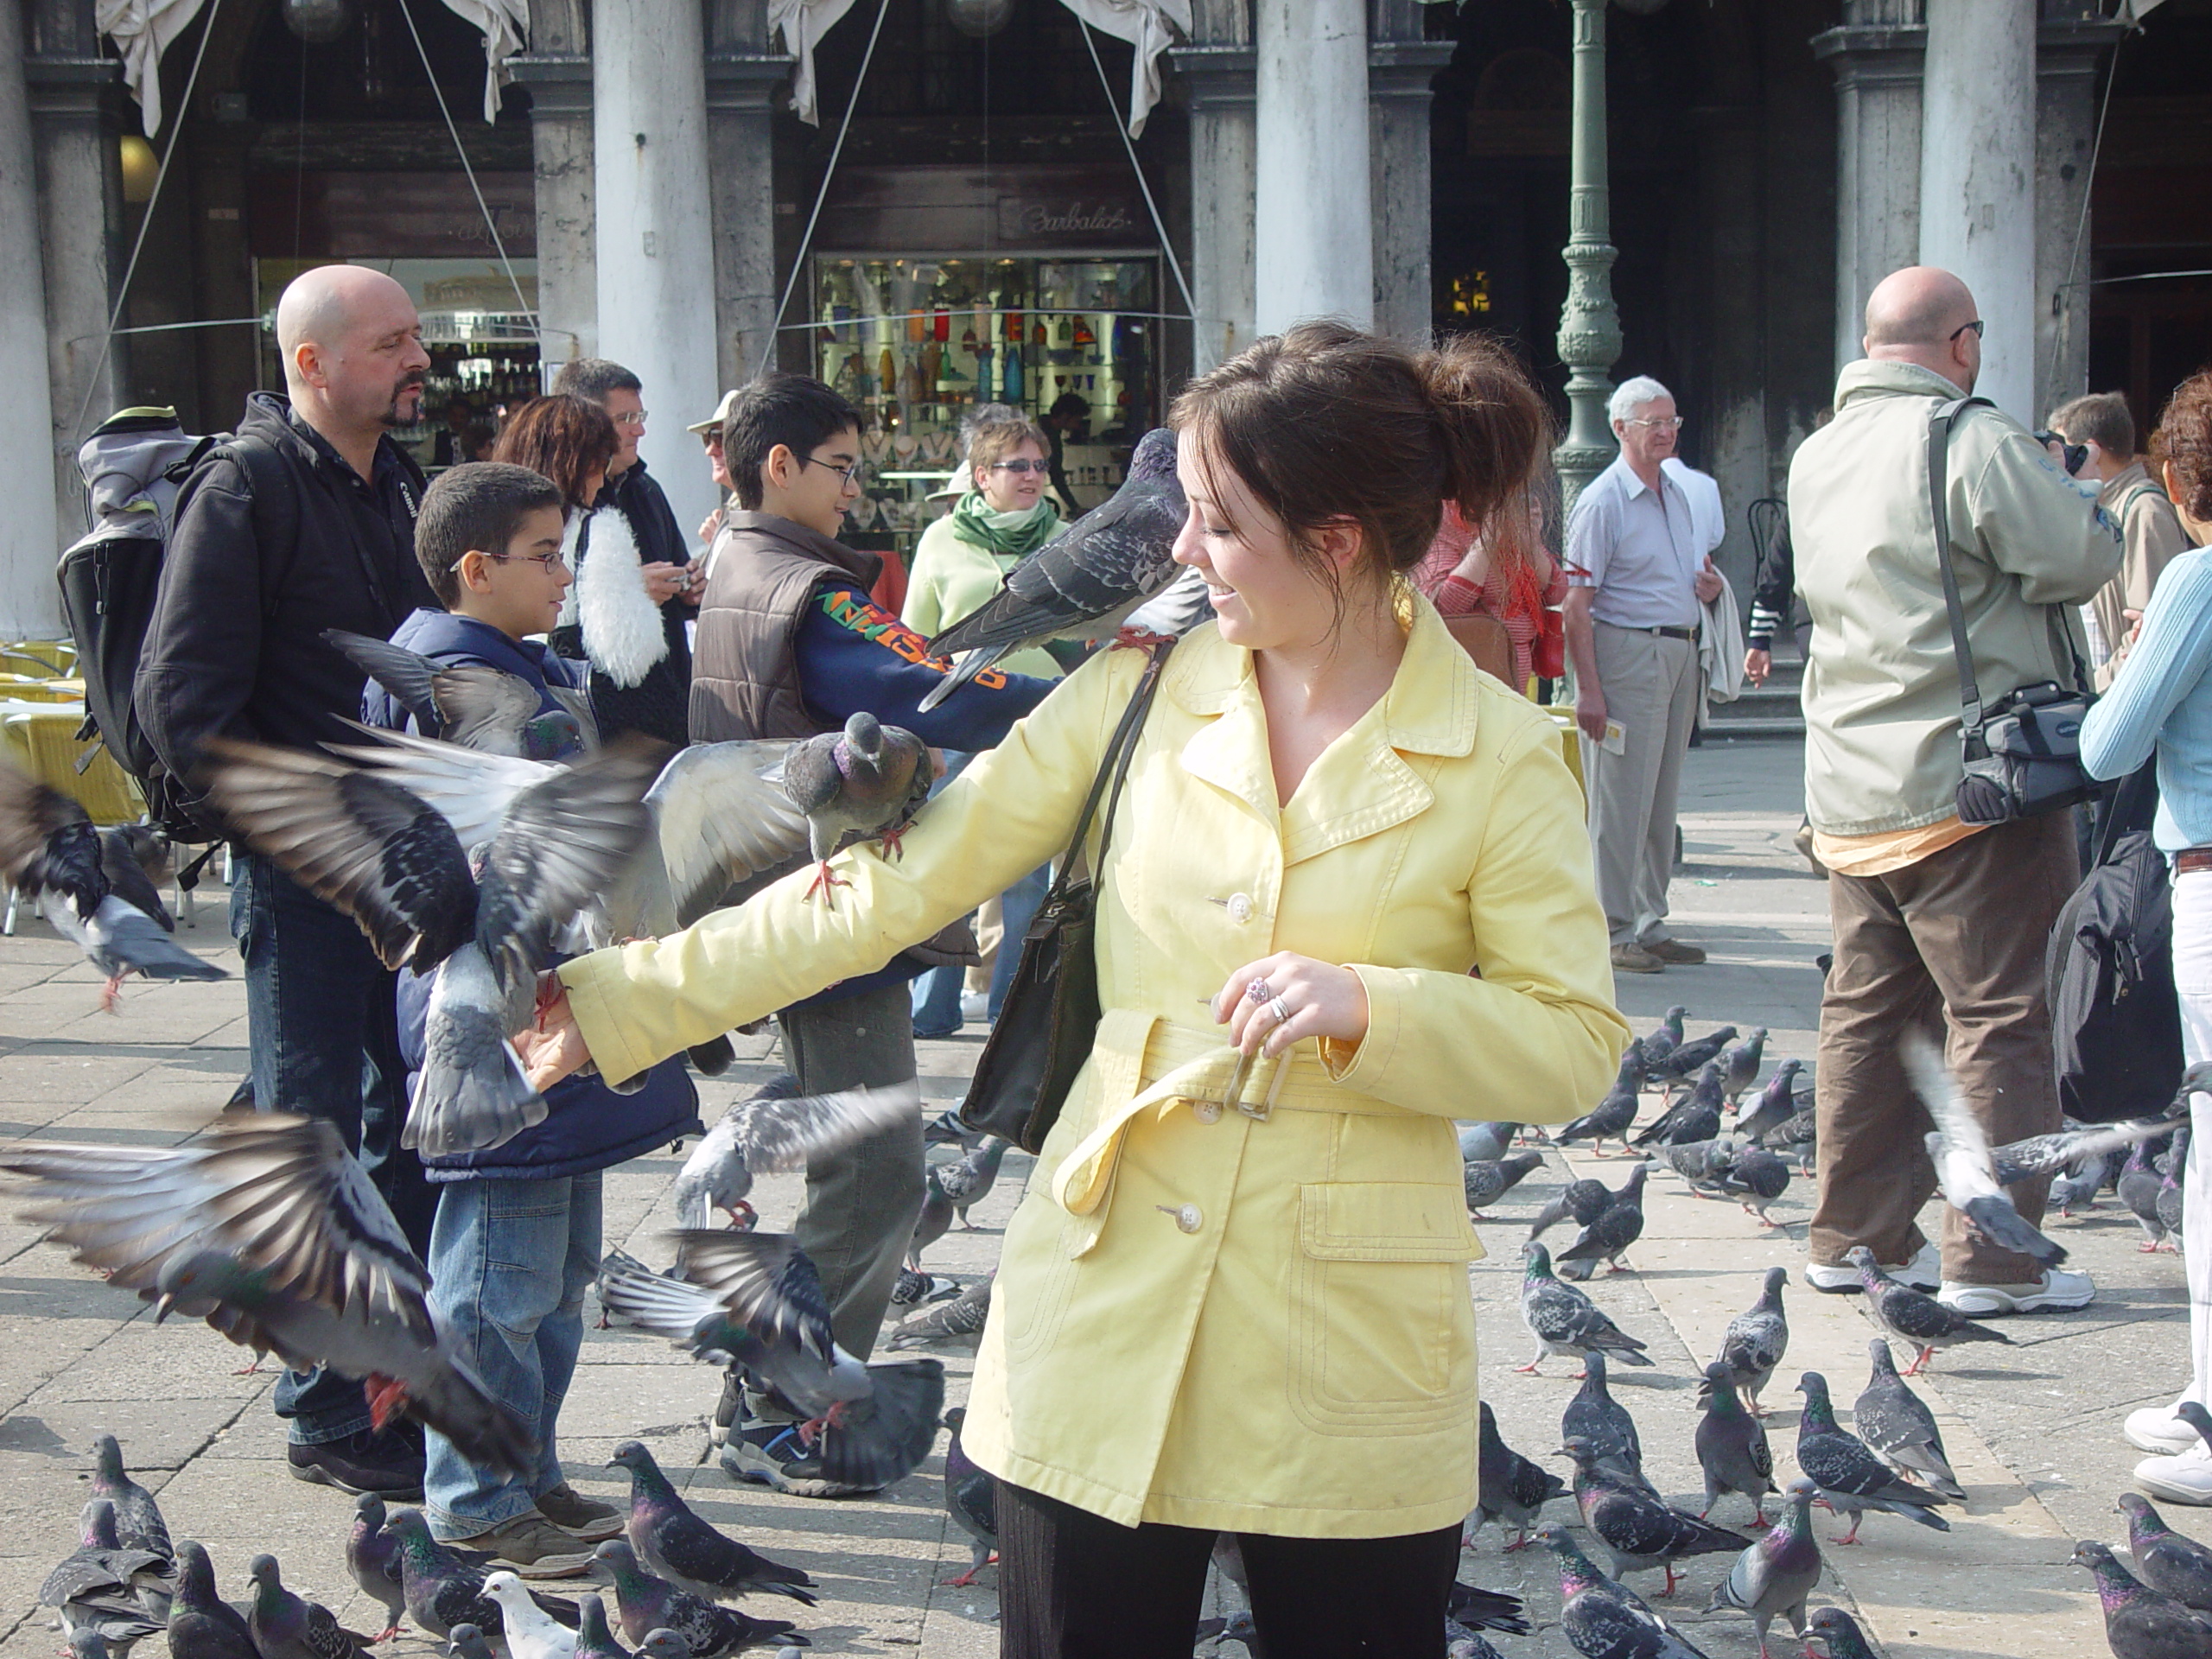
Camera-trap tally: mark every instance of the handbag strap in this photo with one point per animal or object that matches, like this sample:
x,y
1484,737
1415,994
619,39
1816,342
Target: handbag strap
x,y
1940,421
1113,768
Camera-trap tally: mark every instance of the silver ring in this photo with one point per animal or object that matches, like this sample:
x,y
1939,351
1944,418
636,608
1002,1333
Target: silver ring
x,y
1258,991
1281,1010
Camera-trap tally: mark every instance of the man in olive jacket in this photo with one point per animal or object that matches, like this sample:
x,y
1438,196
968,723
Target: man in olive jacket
x,y
1930,914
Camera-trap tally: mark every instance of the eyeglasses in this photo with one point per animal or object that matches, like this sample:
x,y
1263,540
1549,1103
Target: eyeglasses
x,y
630,417
848,474
1670,423
1022,465
548,562
1977,325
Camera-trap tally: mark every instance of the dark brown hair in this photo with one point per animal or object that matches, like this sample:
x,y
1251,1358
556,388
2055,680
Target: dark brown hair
x,y
1327,425
2183,441
563,437
475,507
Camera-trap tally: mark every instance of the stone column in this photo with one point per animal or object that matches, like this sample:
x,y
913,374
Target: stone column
x,y
1314,252
560,162
1400,67
2067,53
29,535
1219,80
1589,324
656,264
1977,179
1876,57
741,190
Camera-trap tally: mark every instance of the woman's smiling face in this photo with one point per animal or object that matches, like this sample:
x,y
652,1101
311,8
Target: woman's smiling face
x,y
1264,598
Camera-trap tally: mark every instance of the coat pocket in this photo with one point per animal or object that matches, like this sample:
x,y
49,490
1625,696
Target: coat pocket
x,y
1381,1325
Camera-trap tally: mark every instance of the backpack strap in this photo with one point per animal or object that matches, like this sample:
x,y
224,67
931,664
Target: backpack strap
x,y
275,515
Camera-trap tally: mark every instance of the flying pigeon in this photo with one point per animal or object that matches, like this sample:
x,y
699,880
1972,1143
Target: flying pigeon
x,y
121,1595
1913,1317
936,1219
474,706
1757,1339
685,1550
1606,1238
1636,1528
1603,1619
138,1521
1485,1142
961,1318
1755,1177
1732,1446
444,1589
1665,1040
2140,1623
971,1499
1513,1489
1564,1321
1961,1152
267,1228
529,1633
968,1182
1601,1423
1778,1103
647,1603
1898,1428
2167,1560
1840,1632
1739,1067
1696,1117
202,1625
755,1298
1773,1578
1086,580
2139,1187
51,854
864,783
1852,1479
1486,1181
780,1134
2046,1154
1688,1058
720,814
1582,1201
286,1627
1610,1119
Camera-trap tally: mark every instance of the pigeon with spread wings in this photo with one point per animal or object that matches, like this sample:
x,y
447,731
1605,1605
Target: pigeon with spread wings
x,y
1964,1166
477,707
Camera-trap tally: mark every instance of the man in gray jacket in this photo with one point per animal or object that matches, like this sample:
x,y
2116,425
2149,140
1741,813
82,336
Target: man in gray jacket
x,y
1934,919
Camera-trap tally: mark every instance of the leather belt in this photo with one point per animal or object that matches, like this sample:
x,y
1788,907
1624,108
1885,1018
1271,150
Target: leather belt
x,y
1664,633
2192,859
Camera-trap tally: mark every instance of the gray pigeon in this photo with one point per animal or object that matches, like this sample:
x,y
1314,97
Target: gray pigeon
x,y
1582,1201
1487,1182
2140,1623
444,1586
971,1499
1840,1632
1693,1057
1898,1428
968,1182
2139,1187
1959,1149
1755,1176
913,1287
1696,1117
1757,1339
1739,1067
1913,1317
138,1521
1564,1321
1778,1103
594,1639
1775,1576
202,1625
2167,1560
373,1561
1731,1446
1701,1163
2046,1154
1513,1490
1485,1142
265,1226
1851,1479
648,1603
2077,1187
1610,1235
286,1627
936,1219
467,1641
779,1134
1081,583
960,1319
1604,1619
475,706
122,1595
1665,1040
672,1540
864,783
1613,1116
1637,1528
1601,1422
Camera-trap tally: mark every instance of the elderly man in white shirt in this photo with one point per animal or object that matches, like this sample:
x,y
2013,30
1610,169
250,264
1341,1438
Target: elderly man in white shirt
x,y
1638,571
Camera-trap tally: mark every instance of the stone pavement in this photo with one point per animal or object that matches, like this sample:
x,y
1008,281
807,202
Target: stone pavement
x,y
2032,1427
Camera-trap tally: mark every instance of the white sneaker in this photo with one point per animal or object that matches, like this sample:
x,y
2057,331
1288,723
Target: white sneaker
x,y
2056,1289
2183,1478
1923,1272
2155,1428
975,1005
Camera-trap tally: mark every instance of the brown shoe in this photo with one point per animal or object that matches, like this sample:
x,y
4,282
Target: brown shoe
x,y
570,1510
533,1547
1634,959
1675,952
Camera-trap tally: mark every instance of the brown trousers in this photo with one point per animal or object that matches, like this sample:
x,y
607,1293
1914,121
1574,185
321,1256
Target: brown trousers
x,y
1952,946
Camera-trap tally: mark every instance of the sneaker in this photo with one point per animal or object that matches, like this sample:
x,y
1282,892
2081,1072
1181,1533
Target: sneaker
x,y
532,1546
2185,1477
1923,1272
728,1410
975,1005
368,1462
2155,1428
586,1517
1675,953
1634,959
771,1454
2056,1289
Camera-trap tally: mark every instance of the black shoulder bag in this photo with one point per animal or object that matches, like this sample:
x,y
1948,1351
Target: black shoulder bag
x,y
2023,752
1050,1019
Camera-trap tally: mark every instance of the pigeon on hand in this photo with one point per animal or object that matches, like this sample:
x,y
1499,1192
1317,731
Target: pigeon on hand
x,y
1959,1148
669,1538
1739,1067
138,1521
1665,1040
864,783
1563,1320
1513,1490
2167,1560
1898,1428
971,1499
121,1595
51,854
2139,1190
1731,1446
1687,1059
1601,1423
1852,1479
2140,1623
1603,1619
1696,1117
1086,580
202,1625
1840,1632
1775,1576
1487,1182
1637,1527
755,1298
779,1135
529,1633
1582,1201
1913,1317
444,1587
286,1627
968,1182
1485,1142
1610,1119
936,1219
1757,1339
1778,1103
648,1603
267,1228
961,1319
470,704
1606,1238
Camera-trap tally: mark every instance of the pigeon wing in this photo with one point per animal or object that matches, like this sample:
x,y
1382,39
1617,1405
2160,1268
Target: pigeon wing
x,y
1967,1172
779,1137
719,820
764,1280
469,789
121,935
31,815
884,1438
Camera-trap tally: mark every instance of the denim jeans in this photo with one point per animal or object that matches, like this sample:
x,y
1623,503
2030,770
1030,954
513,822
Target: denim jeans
x,y
509,1264
325,1041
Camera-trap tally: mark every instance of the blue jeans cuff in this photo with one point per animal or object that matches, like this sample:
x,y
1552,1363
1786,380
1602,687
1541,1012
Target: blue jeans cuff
x,y
324,1431
450,1528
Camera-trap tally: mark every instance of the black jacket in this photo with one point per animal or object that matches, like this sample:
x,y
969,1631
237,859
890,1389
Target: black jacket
x,y
660,704
235,647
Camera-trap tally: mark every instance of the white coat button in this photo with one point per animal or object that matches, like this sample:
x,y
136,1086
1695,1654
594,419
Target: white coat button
x,y
1187,1217
1239,907
1206,1111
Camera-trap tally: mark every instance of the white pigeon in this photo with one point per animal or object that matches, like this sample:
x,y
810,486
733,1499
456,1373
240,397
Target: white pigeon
x,y
531,1633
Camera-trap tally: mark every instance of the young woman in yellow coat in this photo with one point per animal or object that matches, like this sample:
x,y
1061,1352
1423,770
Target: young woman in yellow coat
x,y
1341,846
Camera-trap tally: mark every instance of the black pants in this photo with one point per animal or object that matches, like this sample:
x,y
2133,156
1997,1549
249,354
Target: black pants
x,y
1075,1586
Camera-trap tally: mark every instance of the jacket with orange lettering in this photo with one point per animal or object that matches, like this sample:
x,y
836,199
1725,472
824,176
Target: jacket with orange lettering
x,y
854,655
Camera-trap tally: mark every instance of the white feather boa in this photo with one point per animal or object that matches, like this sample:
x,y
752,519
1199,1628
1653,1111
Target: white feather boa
x,y
621,625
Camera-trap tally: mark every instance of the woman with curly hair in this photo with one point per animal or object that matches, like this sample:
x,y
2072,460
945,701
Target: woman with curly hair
x,y
2161,703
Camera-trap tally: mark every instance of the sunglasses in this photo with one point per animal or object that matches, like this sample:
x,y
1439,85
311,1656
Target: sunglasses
x,y
1977,325
1023,465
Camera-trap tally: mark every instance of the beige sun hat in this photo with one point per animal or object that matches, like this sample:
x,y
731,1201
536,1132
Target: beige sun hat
x,y
721,415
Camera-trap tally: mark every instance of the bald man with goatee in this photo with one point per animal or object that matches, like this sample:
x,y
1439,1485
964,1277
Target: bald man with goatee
x,y
305,521
1939,926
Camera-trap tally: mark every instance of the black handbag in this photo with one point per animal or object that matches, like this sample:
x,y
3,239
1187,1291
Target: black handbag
x,y
1050,1019
2023,752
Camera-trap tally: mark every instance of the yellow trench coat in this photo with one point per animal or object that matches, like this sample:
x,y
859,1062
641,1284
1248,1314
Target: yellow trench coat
x,y
1252,1320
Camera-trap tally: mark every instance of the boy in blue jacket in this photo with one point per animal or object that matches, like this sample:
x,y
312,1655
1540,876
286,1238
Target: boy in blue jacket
x,y
517,1237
